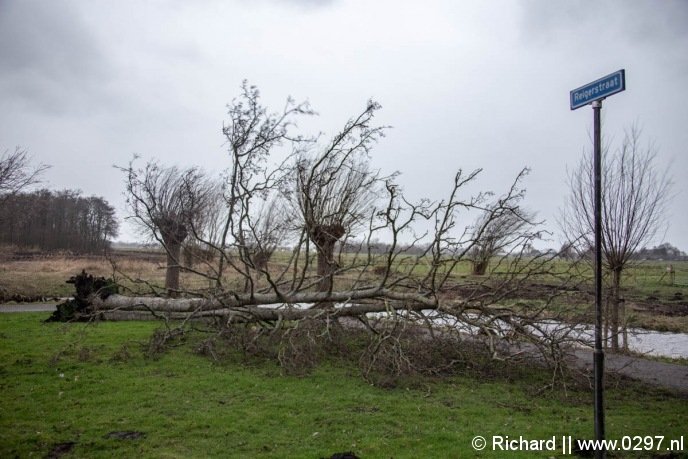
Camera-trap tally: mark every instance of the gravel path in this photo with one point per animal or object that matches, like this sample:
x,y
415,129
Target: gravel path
x,y
666,375
28,307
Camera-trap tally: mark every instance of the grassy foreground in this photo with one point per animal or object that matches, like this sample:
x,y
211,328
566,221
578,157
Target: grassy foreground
x,y
72,383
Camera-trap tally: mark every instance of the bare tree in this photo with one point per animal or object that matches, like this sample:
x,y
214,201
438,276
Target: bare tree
x,y
567,252
169,204
265,232
16,171
336,190
634,201
498,227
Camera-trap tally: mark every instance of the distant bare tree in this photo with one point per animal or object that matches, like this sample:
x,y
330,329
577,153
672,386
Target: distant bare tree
x,y
169,204
634,202
17,172
498,227
265,232
567,252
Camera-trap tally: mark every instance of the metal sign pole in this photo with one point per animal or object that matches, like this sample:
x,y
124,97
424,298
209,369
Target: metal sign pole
x,y
594,93
599,352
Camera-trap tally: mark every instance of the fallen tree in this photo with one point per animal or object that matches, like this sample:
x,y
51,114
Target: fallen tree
x,y
337,208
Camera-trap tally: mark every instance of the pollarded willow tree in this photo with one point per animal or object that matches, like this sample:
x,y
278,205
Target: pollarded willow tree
x,y
335,190
498,227
337,207
635,194
169,205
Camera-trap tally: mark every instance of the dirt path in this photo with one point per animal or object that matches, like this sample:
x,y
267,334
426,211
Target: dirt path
x,y
661,374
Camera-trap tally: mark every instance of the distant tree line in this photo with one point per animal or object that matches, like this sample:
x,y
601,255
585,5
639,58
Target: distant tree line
x,y
664,251
57,220
378,247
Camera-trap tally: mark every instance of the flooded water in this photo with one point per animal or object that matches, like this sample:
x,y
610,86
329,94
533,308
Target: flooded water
x,y
660,344
674,345
649,342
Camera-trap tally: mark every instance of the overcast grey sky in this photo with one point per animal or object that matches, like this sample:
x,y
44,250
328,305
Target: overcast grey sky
x,y
86,84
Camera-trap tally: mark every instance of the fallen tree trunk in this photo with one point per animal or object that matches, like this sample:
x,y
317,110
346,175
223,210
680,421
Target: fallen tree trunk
x,y
266,307
96,298
257,299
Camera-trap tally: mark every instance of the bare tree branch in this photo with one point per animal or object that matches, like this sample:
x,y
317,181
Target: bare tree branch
x,y
16,171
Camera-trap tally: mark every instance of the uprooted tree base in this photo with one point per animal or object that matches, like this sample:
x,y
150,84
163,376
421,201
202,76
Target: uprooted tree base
x,y
80,308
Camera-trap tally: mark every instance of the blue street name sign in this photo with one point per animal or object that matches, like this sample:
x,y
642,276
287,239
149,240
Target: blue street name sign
x,y
599,89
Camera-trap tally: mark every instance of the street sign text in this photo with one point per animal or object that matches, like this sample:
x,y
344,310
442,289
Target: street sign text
x,y
599,89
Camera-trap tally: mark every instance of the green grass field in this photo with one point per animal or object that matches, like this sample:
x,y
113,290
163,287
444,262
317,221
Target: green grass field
x,y
76,383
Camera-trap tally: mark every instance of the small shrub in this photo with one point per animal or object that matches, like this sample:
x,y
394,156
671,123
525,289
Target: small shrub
x,y
85,354
122,354
161,340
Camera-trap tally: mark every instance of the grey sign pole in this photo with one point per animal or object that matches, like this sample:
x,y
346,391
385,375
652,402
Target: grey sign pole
x,y
599,352
594,93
